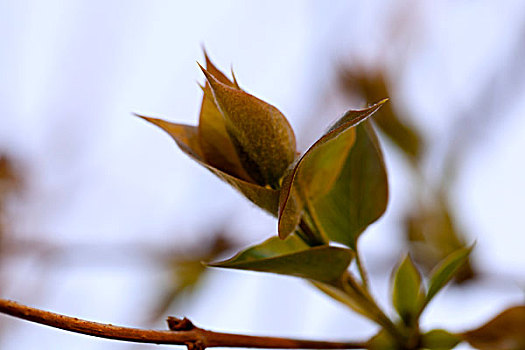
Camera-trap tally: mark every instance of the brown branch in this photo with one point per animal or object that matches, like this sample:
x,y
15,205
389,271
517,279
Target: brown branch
x,y
183,332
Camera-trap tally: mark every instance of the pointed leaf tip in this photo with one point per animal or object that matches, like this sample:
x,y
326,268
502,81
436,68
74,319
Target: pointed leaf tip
x,y
142,117
351,195
318,169
355,116
235,82
214,139
203,69
216,72
263,138
445,271
292,257
186,137
407,291
214,76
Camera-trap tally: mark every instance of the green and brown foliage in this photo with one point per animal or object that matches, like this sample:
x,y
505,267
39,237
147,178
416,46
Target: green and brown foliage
x,y
329,195
323,200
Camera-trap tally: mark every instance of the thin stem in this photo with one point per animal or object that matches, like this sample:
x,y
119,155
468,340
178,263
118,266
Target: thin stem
x,y
309,237
184,333
370,304
360,291
362,271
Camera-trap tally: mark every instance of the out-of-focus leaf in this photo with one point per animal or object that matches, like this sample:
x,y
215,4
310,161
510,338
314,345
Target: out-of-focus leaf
x,y
445,271
439,339
318,169
360,194
407,293
402,135
261,135
187,139
352,294
505,332
382,341
292,257
432,235
11,184
372,86
217,148
185,277
345,298
10,178
187,271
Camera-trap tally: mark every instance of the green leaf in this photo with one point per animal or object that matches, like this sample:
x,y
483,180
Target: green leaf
x,y
316,172
313,176
347,297
360,194
187,139
505,332
382,341
432,234
445,271
294,258
439,339
186,272
407,291
261,135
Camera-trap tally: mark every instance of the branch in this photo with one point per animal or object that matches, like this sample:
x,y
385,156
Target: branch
x,y
182,332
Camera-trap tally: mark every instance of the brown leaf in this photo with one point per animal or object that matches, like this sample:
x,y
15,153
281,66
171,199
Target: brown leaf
x,y
186,137
186,271
217,148
261,135
432,234
372,86
505,332
213,70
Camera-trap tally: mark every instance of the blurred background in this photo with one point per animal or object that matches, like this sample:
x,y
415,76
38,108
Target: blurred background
x,y
103,218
